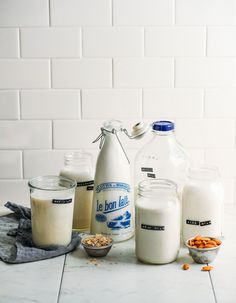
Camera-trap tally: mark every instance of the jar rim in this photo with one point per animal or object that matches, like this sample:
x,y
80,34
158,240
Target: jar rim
x,y
51,183
155,185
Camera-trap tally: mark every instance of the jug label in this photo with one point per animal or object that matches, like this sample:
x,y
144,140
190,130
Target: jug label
x,y
201,223
112,185
61,201
151,176
85,183
153,227
147,169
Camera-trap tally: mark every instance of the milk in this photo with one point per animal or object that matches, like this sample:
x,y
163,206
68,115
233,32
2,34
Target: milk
x,y
52,217
202,209
157,230
83,197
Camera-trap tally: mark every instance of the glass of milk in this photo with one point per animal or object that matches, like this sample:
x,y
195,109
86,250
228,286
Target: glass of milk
x,y
202,203
52,204
157,211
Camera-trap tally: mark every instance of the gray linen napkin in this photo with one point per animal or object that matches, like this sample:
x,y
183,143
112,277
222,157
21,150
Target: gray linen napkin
x,y
16,244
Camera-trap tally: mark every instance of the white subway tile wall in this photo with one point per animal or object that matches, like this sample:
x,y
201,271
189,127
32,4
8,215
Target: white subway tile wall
x,y
67,65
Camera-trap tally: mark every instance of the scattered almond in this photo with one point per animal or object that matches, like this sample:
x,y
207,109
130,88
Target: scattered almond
x,y
186,266
207,268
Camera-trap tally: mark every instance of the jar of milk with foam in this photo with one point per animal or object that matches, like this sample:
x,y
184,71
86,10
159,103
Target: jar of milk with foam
x,y
78,166
157,214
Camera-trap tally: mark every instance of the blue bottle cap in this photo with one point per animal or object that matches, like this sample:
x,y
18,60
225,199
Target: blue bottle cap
x,y
163,126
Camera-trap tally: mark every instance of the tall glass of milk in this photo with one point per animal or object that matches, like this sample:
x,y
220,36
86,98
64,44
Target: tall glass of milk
x,y
157,211
52,203
78,166
202,209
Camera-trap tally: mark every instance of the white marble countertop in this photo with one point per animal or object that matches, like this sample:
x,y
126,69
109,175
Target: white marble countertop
x,y
121,278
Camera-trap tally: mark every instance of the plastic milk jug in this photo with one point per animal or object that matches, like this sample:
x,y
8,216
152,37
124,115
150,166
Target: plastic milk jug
x,y
112,210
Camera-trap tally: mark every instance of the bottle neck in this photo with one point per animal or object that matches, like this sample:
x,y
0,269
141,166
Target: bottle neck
x,y
169,133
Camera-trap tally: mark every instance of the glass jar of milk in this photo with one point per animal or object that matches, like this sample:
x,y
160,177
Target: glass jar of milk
x,y
52,203
157,238
202,203
78,166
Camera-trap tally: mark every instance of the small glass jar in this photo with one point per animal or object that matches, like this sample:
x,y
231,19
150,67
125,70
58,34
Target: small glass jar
x,y
202,203
78,166
157,214
52,203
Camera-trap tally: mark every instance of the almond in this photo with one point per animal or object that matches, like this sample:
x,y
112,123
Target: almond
x,y
207,268
186,266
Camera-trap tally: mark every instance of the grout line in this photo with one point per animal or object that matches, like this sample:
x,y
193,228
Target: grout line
x,y
52,134
22,165
206,41
144,41
81,107
49,12
62,273
19,42
19,105
112,70
212,286
50,70
174,12
112,12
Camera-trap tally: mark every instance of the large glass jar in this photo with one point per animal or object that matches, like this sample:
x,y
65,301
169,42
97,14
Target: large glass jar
x,y
157,238
202,208
78,166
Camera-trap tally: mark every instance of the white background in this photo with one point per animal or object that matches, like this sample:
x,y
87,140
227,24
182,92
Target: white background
x,y
67,65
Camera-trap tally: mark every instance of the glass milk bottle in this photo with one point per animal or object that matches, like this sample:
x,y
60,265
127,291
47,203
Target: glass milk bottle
x,y
157,213
162,157
78,166
112,212
202,203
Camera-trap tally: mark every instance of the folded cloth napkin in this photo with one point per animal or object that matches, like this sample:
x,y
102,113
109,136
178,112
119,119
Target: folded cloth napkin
x,y
16,244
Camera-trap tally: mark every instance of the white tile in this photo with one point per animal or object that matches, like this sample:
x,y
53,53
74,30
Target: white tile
x,y
50,42
74,134
50,104
221,41
9,42
205,12
9,105
118,103
24,13
173,103
26,73
175,41
25,134
229,189
205,72
196,156
42,162
10,164
82,73
146,72
113,42
16,191
225,159
81,12
143,12
209,133
220,103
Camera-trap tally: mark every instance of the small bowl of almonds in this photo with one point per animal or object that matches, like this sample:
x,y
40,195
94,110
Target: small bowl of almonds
x,y
203,249
97,245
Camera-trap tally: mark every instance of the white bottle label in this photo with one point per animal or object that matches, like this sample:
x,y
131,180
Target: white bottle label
x,y
113,207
